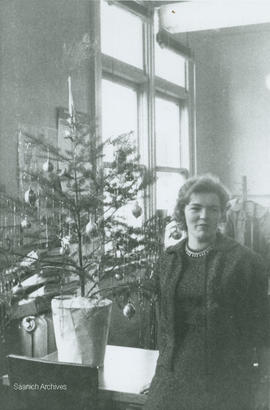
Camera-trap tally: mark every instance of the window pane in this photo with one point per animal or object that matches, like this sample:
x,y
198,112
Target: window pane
x,y
168,185
121,34
167,133
170,65
119,113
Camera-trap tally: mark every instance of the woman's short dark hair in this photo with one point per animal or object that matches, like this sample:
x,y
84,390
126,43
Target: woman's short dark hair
x,y
199,184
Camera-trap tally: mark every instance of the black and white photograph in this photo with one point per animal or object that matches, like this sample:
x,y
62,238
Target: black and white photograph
x,y
134,205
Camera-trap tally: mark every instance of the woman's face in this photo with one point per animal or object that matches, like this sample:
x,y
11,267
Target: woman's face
x,y
203,213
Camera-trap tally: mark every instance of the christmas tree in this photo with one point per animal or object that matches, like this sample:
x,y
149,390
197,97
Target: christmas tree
x,y
73,219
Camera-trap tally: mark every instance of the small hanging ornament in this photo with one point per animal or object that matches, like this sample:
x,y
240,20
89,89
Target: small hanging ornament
x,y
91,228
67,133
30,197
129,310
43,220
137,210
118,276
65,250
47,166
65,245
25,223
118,253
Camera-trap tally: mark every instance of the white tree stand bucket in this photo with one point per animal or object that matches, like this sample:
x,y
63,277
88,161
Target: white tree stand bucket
x,y
81,329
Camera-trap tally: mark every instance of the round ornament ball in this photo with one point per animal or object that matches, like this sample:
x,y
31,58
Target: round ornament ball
x,y
30,197
137,210
129,310
118,276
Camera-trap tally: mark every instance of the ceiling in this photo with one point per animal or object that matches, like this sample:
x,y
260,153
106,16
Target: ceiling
x,y
197,15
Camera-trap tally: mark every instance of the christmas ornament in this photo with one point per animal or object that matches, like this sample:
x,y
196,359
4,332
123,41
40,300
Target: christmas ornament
x,y
30,197
47,166
43,220
137,210
65,250
65,245
129,310
118,253
91,228
25,223
67,133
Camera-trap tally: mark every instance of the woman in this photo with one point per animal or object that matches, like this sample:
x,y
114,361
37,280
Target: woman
x,y
213,311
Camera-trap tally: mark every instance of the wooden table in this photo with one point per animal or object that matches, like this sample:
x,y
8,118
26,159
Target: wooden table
x,y
126,371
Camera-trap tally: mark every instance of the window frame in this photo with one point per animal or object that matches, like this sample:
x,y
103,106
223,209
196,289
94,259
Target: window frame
x,y
148,85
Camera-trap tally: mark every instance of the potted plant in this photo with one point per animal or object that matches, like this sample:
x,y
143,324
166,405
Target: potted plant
x,y
77,239
72,239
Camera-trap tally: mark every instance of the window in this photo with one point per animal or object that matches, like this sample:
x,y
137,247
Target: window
x,y
145,89
119,112
120,116
170,65
168,154
120,29
167,133
168,184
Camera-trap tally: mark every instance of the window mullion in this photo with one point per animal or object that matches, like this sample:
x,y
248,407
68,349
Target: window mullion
x,y
95,70
168,88
150,45
115,67
191,107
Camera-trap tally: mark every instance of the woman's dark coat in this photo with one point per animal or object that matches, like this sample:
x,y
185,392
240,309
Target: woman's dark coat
x,y
236,311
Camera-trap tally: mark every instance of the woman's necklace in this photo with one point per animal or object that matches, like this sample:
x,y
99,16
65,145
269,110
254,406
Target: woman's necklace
x,y
198,254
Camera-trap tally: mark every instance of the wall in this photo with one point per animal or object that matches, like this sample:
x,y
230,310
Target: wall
x,y
33,76
233,106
